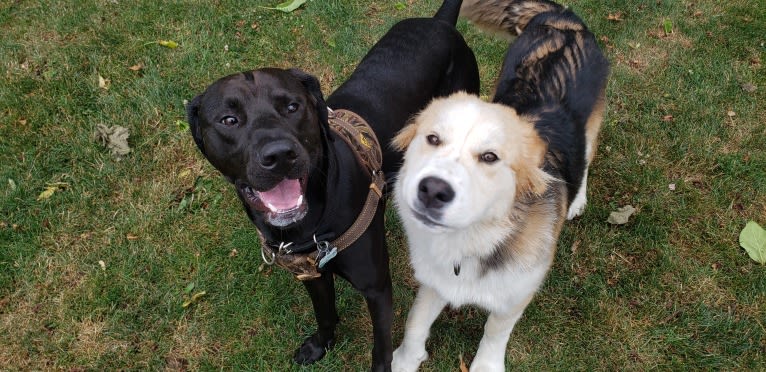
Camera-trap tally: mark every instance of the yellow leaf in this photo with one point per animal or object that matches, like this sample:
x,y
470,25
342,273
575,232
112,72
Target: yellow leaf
x,y
463,367
197,295
131,237
50,189
137,67
103,83
168,44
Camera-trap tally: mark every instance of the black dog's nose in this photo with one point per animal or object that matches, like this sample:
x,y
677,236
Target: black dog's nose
x,y
278,154
435,193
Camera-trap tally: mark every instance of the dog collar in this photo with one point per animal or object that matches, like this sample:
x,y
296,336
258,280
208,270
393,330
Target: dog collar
x,y
360,137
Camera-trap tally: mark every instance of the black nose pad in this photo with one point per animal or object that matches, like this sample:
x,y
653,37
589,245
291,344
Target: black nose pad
x,y
278,154
435,193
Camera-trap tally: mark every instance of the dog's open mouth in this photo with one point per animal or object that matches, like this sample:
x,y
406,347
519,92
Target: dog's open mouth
x,y
282,205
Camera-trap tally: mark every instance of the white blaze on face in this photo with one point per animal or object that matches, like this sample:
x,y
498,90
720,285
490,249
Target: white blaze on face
x,y
466,128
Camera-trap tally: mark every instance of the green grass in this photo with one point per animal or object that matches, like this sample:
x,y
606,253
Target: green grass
x,y
670,290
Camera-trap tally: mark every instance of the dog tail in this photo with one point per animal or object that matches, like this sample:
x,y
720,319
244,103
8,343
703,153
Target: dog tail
x,y
449,11
511,17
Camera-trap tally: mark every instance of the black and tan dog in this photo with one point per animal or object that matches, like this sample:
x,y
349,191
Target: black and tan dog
x,y
267,132
486,187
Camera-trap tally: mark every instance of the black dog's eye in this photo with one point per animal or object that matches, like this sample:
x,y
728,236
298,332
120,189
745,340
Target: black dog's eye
x,y
488,157
229,120
293,107
433,140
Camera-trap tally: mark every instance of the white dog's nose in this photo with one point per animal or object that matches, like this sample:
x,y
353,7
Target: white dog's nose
x,y
435,192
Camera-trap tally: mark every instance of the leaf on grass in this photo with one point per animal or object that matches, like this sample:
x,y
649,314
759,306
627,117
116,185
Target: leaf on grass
x,y
748,87
182,125
753,239
102,264
400,6
103,83
131,237
168,44
12,184
667,25
621,216
189,288
287,6
193,299
667,118
51,189
617,17
114,138
137,67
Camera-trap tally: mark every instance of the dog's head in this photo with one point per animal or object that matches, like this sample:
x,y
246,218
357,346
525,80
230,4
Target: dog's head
x,y
264,131
466,162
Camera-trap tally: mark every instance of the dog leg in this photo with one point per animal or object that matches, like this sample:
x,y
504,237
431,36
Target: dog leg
x,y
428,304
322,293
497,331
581,200
379,304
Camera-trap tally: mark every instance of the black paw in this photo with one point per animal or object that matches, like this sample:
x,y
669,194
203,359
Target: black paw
x,y
312,350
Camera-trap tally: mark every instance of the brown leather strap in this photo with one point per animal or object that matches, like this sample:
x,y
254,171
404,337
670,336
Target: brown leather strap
x,y
364,144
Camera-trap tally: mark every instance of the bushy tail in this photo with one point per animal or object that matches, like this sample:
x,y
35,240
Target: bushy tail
x,y
511,17
449,11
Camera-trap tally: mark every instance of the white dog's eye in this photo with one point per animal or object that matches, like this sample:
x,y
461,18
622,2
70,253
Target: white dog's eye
x,y
433,140
488,157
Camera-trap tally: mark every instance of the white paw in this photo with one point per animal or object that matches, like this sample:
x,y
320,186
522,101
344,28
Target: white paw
x,y
486,366
405,361
577,207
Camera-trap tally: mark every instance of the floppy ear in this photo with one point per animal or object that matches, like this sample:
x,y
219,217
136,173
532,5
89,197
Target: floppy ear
x,y
405,136
311,83
192,116
531,178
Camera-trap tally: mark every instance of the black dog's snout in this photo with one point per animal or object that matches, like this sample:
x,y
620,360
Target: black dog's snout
x,y
435,193
278,155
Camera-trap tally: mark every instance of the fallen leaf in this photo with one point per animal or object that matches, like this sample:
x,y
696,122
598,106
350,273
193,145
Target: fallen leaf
x,y
667,118
50,189
193,299
400,6
189,288
621,216
287,6
137,67
131,237
233,253
753,239
103,83
102,264
748,87
182,125
168,44
12,184
672,187
697,13
667,26
617,17
731,114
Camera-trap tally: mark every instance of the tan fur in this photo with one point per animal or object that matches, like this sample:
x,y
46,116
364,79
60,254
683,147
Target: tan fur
x,y
593,127
531,178
405,136
507,16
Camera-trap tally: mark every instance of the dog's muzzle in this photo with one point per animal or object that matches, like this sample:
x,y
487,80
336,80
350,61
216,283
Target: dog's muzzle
x,y
434,194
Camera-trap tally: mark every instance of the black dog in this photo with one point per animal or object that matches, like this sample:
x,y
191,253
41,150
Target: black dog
x,y
267,132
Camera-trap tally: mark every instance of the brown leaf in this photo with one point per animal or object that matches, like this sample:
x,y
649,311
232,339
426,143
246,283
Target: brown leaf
x,y
617,17
748,87
137,67
131,237
667,118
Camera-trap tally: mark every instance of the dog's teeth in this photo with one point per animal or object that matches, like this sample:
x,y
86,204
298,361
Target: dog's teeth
x,y
271,207
300,200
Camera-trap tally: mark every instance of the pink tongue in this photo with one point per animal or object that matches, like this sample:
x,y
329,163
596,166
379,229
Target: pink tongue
x,y
282,197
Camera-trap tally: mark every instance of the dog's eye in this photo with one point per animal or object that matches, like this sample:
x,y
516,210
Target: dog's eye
x,y
293,107
433,140
488,157
229,121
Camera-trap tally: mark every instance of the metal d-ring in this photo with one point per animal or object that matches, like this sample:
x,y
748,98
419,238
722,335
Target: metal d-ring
x,y
263,256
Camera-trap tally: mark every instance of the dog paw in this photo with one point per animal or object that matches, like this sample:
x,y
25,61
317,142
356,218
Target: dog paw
x,y
407,362
312,350
577,207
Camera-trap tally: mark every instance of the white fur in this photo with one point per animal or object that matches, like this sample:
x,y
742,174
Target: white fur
x,y
477,220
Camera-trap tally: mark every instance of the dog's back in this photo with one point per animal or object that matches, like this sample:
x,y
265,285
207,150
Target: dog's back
x,y
555,72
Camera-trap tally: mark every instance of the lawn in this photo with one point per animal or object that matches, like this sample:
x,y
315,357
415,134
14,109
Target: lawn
x,y
95,272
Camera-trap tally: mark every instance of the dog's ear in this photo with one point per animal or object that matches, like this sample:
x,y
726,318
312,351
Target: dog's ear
x,y
311,83
402,140
192,116
531,178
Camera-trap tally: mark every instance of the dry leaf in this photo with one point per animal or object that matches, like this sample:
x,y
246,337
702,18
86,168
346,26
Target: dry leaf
x,y
102,264
137,67
672,187
131,237
103,83
731,114
667,118
50,189
748,87
617,17
168,44
621,216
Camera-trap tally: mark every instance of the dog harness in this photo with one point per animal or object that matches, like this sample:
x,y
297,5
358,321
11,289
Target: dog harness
x,y
360,137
